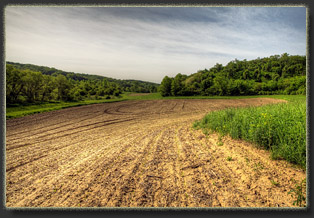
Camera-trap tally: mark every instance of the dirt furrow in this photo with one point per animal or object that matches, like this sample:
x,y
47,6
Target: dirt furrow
x,y
48,128
75,130
122,186
140,154
39,149
68,159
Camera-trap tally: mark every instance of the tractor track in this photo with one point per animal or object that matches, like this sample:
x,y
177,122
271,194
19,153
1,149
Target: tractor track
x,y
139,154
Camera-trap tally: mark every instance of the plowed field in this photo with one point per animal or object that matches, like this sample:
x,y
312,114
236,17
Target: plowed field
x,y
139,154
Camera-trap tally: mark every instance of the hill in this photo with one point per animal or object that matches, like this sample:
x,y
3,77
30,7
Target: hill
x,y
28,83
125,85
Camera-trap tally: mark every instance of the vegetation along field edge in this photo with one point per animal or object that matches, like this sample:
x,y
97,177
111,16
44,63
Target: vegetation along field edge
x,y
20,110
280,128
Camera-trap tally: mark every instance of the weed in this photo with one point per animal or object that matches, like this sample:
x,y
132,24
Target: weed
x,y
258,166
182,174
206,132
299,193
229,158
280,128
247,160
274,182
220,143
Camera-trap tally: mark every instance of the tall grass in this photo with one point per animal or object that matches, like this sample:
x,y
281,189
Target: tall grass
x,y
280,128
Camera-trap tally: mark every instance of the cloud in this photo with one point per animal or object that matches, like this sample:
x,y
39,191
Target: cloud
x,y
149,43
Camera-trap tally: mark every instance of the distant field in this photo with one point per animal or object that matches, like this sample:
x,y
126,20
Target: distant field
x,y
27,109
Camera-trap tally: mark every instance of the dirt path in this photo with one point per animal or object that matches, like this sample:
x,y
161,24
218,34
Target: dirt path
x,y
139,154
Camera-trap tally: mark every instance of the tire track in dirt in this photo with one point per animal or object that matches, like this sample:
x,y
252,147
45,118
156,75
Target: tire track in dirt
x,y
123,189
110,182
151,159
197,192
157,188
49,128
68,114
78,162
82,127
42,152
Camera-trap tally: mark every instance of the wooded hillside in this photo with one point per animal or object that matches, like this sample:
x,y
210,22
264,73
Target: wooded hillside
x,y
276,74
32,83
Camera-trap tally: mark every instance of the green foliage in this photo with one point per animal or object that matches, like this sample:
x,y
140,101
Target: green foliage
x,y
274,183
24,85
63,87
299,193
32,83
280,128
14,84
124,85
263,76
165,86
177,86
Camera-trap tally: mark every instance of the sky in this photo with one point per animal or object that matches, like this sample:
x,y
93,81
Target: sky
x,y
148,43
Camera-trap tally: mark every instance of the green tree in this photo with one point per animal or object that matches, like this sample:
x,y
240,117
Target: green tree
x,y
220,85
33,82
63,87
14,83
47,88
165,86
178,88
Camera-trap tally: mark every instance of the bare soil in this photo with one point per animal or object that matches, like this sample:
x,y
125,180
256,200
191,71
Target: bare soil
x,y
139,154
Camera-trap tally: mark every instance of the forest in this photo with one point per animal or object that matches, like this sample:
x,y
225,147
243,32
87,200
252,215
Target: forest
x,y
277,74
27,83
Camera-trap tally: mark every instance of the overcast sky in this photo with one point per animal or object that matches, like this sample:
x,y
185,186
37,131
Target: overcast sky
x,y
147,43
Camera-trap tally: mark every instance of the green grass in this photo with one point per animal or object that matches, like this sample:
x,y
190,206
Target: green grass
x,y
148,96
14,111
299,193
229,158
280,128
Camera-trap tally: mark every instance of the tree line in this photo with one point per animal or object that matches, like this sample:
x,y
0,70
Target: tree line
x,y
276,74
31,83
124,85
30,86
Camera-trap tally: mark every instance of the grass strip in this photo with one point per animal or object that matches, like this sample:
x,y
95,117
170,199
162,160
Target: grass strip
x,y
23,110
280,128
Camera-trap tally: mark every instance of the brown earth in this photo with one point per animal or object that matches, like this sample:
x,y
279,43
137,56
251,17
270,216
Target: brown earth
x,y
139,154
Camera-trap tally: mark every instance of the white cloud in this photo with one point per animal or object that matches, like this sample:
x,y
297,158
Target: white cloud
x,y
89,40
